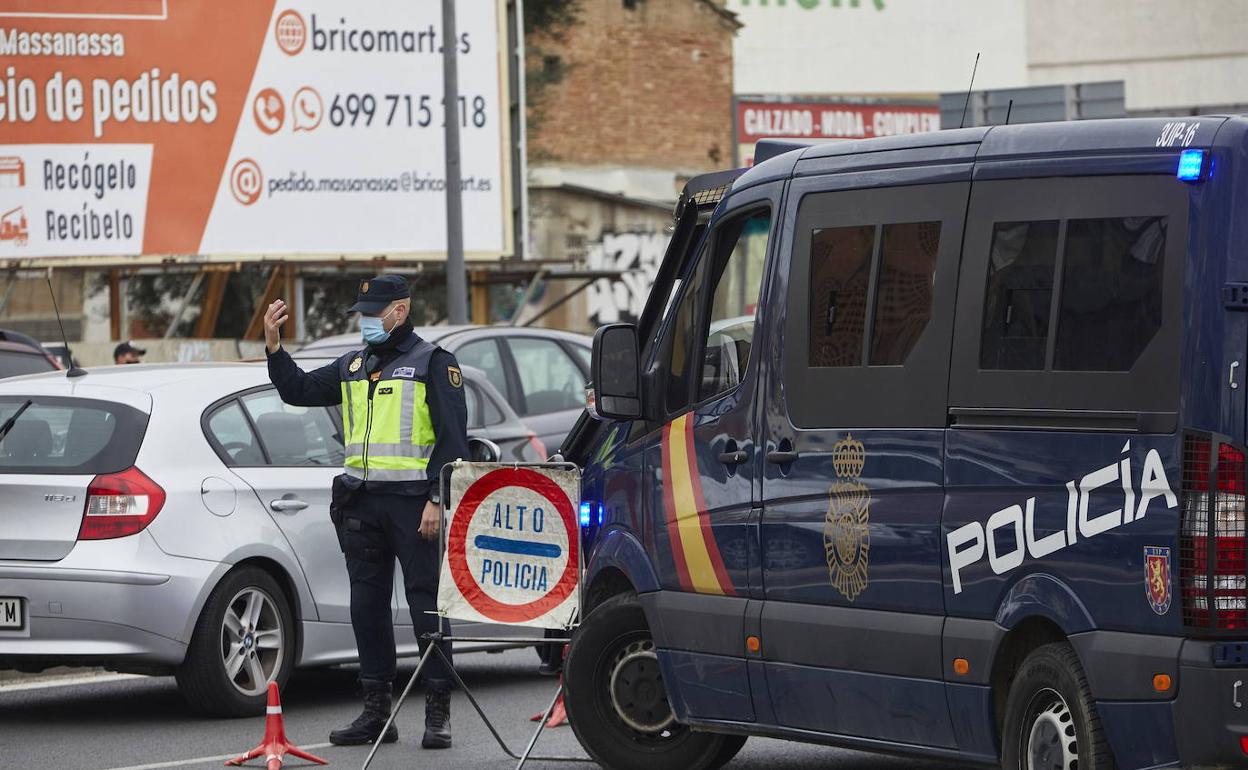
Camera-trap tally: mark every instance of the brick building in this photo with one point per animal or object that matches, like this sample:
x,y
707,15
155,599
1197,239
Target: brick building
x,y
644,101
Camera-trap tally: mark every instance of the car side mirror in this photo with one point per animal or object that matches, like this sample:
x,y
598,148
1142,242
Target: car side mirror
x,y
482,450
616,385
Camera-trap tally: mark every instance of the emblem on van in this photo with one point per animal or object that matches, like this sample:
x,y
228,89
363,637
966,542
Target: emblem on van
x,y
1157,578
846,529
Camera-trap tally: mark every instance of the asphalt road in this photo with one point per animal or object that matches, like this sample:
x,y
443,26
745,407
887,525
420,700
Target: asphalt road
x,y
107,722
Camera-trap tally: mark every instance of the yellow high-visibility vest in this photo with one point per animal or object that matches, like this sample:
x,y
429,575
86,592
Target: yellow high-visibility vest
x,y
388,436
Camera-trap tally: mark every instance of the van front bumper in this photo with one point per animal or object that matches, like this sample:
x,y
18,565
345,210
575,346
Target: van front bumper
x,y
1211,710
122,604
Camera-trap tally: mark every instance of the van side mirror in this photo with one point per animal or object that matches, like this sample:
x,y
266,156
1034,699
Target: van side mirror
x,y
615,372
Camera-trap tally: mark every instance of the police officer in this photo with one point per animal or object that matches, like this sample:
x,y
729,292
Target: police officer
x,y
404,417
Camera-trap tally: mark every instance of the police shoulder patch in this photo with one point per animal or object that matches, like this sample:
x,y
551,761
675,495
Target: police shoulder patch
x,y
455,376
355,364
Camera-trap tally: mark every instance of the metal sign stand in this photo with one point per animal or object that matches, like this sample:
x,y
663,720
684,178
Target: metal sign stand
x,y
433,638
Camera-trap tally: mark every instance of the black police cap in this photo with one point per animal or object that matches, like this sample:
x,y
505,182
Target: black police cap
x,y
375,294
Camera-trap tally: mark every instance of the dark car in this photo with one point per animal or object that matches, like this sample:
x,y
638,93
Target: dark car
x,y
20,354
541,372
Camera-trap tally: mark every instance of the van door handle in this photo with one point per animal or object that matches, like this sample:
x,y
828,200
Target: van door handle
x,y
733,458
781,457
287,505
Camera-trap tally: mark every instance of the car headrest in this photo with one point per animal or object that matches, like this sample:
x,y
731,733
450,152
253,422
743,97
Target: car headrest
x,y
29,439
284,436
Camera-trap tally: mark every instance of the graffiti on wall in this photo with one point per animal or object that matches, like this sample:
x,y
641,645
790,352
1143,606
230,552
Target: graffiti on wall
x,y
637,255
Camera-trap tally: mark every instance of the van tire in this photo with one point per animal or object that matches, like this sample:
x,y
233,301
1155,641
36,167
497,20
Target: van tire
x,y
615,640
1050,716
202,678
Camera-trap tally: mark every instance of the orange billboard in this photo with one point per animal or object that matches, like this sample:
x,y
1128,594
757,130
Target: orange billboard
x,y
232,128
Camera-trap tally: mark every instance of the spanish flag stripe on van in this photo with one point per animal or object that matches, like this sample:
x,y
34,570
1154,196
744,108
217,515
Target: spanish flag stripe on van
x,y
697,557
669,508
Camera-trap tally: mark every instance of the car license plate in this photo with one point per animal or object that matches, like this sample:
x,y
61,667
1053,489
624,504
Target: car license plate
x,y
11,613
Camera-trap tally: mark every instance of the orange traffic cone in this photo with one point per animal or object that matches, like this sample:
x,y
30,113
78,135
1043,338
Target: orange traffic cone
x,y
274,746
558,715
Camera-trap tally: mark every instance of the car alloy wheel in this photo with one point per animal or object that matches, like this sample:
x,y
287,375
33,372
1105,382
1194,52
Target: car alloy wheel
x,y
251,640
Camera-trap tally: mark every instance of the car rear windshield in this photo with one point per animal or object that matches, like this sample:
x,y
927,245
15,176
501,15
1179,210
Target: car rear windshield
x,y
69,436
13,363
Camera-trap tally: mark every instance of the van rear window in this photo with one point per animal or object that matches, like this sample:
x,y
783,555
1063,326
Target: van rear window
x,y
1108,274
70,436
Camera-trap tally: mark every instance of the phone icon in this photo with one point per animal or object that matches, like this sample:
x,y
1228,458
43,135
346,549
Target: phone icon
x,y
269,111
308,109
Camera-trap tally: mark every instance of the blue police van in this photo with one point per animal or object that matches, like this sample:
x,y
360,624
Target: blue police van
x,y
931,445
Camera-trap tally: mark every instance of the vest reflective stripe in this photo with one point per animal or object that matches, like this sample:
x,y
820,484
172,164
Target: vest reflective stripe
x,y
385,474
376,449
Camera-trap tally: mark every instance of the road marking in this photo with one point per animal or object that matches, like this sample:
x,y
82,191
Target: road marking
x,y
204,760
67,681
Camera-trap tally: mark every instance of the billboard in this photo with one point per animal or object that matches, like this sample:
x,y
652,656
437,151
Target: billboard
x,y
760,118
232,128
877,47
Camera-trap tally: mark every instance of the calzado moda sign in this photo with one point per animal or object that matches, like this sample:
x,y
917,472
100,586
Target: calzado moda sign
x,y
247,127
1139,489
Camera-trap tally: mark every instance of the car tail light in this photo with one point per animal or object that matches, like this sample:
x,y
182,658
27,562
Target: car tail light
x,y
538,446
120,504
1213,549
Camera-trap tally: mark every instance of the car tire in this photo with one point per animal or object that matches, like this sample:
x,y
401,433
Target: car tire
x,y
1050,717
244,638
617,703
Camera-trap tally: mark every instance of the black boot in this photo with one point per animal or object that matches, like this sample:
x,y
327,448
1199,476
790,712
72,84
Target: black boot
x,y
367,726
437,714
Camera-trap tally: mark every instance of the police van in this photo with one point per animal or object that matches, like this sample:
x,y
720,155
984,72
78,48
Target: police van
x,y
933,445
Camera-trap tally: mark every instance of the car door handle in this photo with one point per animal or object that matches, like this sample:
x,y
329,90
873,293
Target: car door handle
x,y
779,457
286,505
734,458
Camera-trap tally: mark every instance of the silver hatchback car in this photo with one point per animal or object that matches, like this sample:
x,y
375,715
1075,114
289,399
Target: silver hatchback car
x,y
174,519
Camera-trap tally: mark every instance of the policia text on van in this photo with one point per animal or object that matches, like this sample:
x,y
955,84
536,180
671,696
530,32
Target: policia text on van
x,y
981,494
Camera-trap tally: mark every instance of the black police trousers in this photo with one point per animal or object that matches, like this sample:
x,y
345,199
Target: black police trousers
x,y
377,529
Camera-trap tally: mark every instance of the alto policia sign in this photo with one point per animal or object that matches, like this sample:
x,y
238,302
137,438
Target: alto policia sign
x,y
512,546
246,127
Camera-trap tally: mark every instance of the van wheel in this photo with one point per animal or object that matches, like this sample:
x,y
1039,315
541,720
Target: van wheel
x,y
617,703
1050,718
243,640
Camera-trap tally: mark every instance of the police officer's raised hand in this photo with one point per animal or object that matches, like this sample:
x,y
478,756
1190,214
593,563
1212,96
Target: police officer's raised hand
x,y
430,521
274,317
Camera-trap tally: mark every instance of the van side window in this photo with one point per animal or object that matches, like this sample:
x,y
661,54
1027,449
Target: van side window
x,y
717,309
900,261
738,278
840,273
868,309
903,301
1071,301
1108,307
1020,294
1111,292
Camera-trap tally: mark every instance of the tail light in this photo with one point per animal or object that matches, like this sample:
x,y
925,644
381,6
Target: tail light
x,y
538,446
1213,549
120,504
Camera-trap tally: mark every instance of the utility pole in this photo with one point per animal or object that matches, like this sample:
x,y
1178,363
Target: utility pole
x,y
456,276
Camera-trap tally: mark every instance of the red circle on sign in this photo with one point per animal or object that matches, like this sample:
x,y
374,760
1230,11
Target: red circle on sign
x,y
457,539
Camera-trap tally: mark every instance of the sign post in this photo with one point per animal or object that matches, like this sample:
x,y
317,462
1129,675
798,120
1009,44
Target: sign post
x,y
511,554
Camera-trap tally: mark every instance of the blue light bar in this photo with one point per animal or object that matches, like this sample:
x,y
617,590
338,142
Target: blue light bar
x,y
1191,163
587,511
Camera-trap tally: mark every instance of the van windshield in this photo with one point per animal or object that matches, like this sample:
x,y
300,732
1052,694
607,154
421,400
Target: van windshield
x,y
70,436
